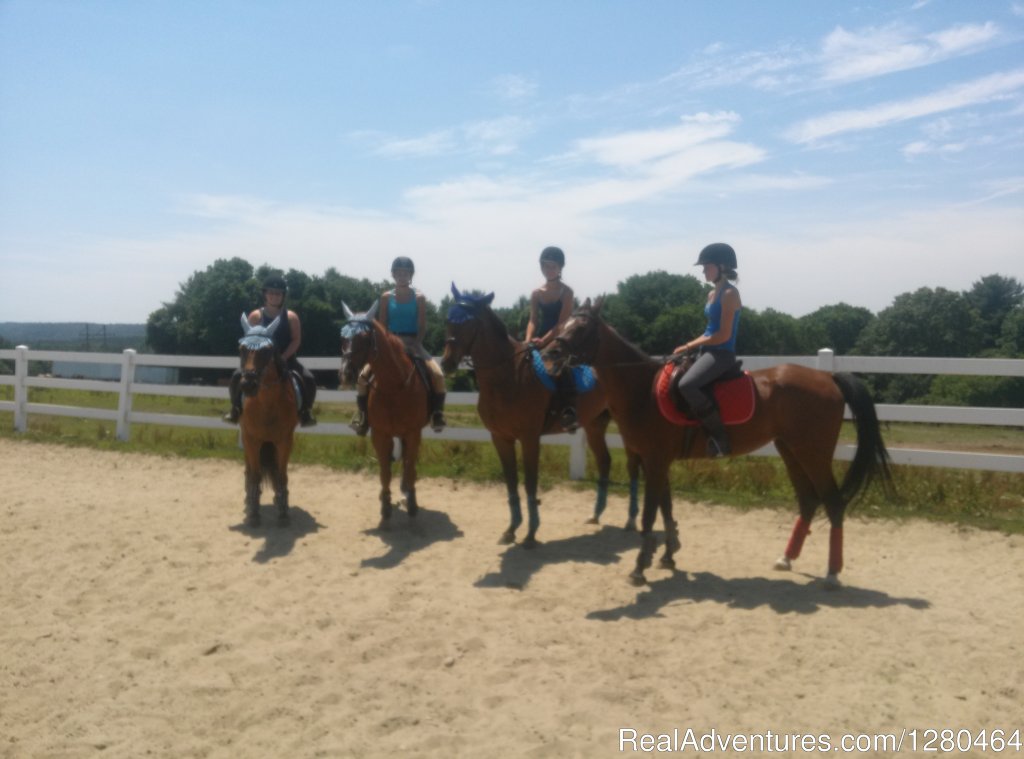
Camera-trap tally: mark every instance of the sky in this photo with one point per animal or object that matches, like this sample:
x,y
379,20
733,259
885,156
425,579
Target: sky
x,y
849,151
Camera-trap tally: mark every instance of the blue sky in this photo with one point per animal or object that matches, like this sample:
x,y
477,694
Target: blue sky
x,y
849,151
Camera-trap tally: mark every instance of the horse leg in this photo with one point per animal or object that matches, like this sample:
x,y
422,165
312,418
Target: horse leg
x,y
599,447
506,449
807,499
382,446
411,452
835,508
283,452
672,543
252,483
633,468
531,464
656,474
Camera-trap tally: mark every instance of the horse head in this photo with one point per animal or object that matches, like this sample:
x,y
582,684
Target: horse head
x,y
357,344
576,341
256,352
462,325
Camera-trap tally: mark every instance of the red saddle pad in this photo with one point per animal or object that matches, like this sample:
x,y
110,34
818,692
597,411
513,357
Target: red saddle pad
x,y
735,398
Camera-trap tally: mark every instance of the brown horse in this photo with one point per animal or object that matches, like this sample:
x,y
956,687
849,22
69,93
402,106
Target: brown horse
x,y
269,416
397,406
797,408
514,405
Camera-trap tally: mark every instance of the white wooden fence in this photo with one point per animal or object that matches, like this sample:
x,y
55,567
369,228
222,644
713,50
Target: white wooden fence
x,y
126,388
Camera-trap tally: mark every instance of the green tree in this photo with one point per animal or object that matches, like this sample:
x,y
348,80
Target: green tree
x,y
657,311
1011,340
994,297
926,322
838,326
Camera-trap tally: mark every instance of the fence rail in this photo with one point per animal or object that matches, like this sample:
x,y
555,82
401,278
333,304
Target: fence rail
x,y
126,388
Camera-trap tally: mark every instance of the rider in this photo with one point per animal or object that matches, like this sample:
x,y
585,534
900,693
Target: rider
x,y
403,312
550,305
717,346
287,339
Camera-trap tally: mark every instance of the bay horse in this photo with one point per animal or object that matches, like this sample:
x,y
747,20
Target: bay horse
x,y
514,405
397,406
798,408
269,415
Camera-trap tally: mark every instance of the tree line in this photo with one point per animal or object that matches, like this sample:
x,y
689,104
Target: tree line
x,y
657,311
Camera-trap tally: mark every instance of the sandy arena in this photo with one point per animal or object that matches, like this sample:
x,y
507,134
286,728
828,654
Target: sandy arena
x,y
140,619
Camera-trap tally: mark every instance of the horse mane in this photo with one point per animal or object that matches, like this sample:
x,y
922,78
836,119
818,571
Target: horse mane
x,y
594,312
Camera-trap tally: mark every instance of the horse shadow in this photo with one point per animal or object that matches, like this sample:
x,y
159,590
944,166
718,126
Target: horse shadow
x,y
518,565
279,541
403,540
782,595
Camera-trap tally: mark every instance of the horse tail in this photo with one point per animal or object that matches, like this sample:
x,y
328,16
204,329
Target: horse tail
x,y
871,459
268,462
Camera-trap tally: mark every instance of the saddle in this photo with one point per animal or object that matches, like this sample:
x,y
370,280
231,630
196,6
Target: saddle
x,y
733,393
582,376
299,385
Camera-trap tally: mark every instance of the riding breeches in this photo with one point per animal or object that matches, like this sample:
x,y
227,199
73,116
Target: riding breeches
x,y
706,369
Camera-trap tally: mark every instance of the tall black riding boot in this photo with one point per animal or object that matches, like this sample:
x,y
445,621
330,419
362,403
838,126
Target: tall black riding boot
x,y
360,423
718,438
437,420
235,394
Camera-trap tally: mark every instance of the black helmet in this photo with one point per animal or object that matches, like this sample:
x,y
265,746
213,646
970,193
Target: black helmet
x,y
403,262
718,253
553,254
275,282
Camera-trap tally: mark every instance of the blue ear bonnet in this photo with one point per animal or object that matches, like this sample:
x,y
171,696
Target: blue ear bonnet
x,y
357,325
467,305
256,342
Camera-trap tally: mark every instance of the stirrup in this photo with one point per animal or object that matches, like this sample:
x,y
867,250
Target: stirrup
x,y
438,422
718,448
569,420
360,424
233,415
306,419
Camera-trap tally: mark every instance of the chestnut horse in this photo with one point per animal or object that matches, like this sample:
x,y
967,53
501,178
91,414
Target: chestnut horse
x,y
514,405
269,415
798,408
397,406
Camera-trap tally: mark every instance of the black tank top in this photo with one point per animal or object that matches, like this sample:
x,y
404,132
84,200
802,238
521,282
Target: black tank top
x,y
283,334
549,313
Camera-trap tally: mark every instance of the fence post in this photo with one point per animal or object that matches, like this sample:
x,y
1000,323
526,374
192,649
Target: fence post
x,y
827,360
124,403
577,456
20,388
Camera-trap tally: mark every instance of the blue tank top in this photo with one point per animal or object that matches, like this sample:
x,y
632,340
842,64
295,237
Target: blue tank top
x,y
403,318
283,334
713,311
549,313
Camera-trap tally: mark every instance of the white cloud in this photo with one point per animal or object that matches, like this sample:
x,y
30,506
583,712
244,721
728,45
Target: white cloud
x,y
432,144
976,92
848,56
632,149
514,87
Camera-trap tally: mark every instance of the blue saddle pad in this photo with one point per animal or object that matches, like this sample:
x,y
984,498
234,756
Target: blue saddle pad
x,y
582,376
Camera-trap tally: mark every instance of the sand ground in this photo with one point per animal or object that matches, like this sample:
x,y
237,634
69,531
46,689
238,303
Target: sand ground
x,y
140,618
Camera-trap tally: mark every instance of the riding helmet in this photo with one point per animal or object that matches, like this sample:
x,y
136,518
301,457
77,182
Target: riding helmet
x,y
718,253
403,262
275,282
553,254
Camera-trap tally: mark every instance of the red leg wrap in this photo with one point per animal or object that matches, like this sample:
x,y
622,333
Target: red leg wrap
x,y
835,551
801,530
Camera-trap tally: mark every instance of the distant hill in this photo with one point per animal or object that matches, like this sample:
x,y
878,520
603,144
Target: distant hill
x,y
82,336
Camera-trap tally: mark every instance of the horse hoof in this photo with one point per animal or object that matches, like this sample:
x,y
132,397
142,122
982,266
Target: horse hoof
x,y
385,525
530,543
630,526
832,582
252,519
783,564
507,538
668,563
283,520
593,520
637,579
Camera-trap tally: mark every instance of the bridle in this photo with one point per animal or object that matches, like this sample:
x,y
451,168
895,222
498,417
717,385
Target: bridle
x,y
255,344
